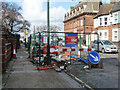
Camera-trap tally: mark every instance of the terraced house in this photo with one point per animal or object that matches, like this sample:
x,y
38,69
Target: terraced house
x,y
107,22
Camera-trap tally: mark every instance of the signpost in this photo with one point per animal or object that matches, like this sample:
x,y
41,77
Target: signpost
x,y
71,40
94,57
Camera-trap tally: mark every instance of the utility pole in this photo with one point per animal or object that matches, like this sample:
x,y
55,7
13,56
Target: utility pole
x,y
84,31
48,34
34,34
79,34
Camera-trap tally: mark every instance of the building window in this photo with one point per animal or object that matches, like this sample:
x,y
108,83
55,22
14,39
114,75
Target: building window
x,y
78,22
75,23
70,25
116,20
100,21
81,33
103,34
105,21
81,22
111,23
115,35
75,30
106,35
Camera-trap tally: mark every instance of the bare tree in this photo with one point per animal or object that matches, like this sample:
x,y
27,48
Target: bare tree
x,y
53,28
42,28
12,18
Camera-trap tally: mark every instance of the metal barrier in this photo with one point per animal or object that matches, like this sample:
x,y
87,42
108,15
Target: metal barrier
x,y
63,52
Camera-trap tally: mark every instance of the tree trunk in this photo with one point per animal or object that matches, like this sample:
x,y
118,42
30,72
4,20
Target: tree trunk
x,y
12,26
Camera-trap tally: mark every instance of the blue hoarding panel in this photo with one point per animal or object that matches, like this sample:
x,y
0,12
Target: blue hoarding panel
x,y
71,45
71,34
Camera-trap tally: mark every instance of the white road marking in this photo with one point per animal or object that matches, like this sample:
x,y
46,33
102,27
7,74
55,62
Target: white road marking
x,y
95,58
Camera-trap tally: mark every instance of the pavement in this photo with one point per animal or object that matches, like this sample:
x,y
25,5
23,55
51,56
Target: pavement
x,y
21,73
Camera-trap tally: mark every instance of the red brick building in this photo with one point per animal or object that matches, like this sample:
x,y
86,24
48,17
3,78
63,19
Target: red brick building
x,y
80,17
92,17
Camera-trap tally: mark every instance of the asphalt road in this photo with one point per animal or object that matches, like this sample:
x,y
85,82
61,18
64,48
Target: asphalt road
x,y
97,77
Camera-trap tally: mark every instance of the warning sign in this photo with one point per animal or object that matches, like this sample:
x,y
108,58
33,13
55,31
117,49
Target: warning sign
x,y
71,40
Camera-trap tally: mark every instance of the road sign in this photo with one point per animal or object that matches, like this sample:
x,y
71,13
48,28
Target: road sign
x,y
94,57
71,40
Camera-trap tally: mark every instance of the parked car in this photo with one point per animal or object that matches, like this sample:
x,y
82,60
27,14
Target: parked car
x,y
105,46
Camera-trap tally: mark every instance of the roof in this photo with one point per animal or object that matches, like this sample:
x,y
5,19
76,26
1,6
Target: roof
x,y
116,7
104,9
90,6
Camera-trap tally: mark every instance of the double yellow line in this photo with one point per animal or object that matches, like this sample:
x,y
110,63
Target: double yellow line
x,y
81,81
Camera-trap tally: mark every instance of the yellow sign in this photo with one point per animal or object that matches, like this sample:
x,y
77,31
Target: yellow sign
x,y
26,32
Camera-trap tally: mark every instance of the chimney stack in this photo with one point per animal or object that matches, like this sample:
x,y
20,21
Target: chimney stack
x,y
112,1
71,8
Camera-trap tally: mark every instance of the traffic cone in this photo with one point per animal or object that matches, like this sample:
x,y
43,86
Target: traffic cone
x,y
78,53
30,60
14,53
86,66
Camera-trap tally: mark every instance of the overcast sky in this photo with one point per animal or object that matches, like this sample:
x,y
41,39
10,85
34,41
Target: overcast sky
x,y
35,11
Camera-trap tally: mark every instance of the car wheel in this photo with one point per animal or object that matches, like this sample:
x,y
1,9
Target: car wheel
x,y
103,51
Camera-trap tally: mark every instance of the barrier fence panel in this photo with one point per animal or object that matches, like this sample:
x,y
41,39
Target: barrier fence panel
x,y
65,48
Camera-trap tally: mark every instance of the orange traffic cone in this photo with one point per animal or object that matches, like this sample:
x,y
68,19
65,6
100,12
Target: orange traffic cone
x,y
14,53
78,53
86,66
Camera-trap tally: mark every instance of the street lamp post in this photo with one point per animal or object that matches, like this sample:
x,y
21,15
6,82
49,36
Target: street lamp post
x,y
79,34
84,32
48,34
25,34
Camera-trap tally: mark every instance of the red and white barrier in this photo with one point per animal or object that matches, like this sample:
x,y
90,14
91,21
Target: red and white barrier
x,y
69,50
55,49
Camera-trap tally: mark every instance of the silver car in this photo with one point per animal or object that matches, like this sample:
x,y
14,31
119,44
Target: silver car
x,y
105,46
